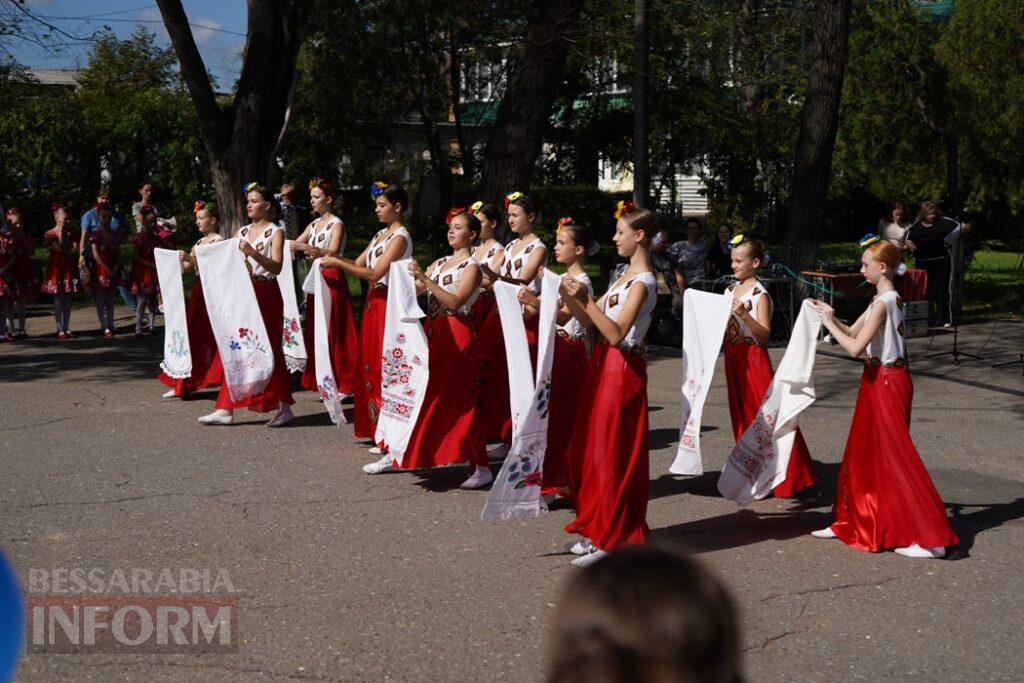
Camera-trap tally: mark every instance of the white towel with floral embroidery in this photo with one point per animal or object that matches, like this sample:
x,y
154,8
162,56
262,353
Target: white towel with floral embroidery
x,y
177,362
404,370
516,490
759,460
292,343
235,318
325,380
705,316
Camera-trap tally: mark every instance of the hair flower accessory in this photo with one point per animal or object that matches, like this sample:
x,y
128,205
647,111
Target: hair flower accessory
x,y
511,197
57,206
250,186
13,211
314,182
377,189
453,212
562,222
624,207
737,240
199,206
474,207
868,239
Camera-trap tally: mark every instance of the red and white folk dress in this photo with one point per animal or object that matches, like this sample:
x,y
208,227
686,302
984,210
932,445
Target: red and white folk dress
x,y
494,411
568,374
371,337
885,497
748,374
493,258
444,429
143,279
268,296
341,335
62,274
610,437
108,243
207,370
20,279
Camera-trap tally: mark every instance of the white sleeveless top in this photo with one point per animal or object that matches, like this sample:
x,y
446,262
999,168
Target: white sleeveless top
x,y
380,244
573,328
209,239
262,243
449,281
615,300
487,258
514,264
320,235
887,346
737,331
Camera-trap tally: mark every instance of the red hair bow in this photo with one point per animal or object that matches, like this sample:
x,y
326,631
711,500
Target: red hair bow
x,y
453,212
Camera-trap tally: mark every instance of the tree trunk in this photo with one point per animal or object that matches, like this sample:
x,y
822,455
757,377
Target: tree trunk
x,y
641,108
242,139
466,160
819,121
525,110
955,201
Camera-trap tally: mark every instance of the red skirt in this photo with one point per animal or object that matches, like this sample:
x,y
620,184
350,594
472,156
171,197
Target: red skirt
x,y
341,336
143,280
444,428
103,278
748,374
371,346
484,305
494,411
21,280
62,275
885,497
207,370
279,388
568,373
610,440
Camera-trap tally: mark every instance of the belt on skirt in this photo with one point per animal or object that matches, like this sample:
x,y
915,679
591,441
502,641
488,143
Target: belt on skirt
x,y
873,362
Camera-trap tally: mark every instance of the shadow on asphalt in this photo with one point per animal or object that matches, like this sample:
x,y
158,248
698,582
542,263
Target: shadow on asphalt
x,y
121,358
970,524
740,528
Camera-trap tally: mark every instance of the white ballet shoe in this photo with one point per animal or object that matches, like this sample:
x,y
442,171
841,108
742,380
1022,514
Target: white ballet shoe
x,y
385,464
218,417
170,393
589,559
480,478
499,452
824,533
581,547
283,417
376,450
924,553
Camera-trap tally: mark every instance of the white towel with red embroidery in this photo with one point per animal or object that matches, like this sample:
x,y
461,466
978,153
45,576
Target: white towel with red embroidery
x,y
516,490
404,370
235,318
292,342
326,382
759,460
705,316
177,362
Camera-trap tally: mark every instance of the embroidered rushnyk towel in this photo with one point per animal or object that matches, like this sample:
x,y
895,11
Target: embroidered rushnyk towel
x,y
705,316
516,490
405,365
177,362
325,380
759,460
235,318
292,343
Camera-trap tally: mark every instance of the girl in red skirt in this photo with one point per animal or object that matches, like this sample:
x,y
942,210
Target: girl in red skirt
x,y
525,256
392,243
262,242
748,369
326,236
573,244
885,498
443,434
207,370
18,279
490,254
106,267
610,435
143,282
62,272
